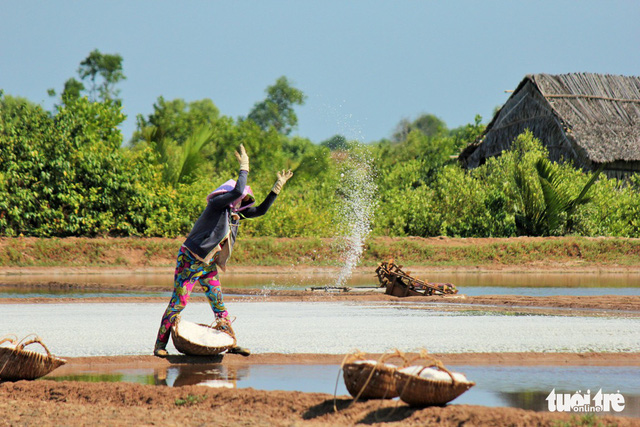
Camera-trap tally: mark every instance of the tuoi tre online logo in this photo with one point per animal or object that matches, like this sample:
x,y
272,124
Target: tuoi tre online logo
x,y
577,402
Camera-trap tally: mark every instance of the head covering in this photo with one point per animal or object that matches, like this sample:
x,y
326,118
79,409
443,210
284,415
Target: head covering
x,y
237,205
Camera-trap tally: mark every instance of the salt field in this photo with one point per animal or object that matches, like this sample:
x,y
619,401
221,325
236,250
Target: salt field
x,y
97,329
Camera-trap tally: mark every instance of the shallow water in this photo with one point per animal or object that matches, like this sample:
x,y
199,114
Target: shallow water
x,y
95,329
525,387
530,284
546,291
290,279
21,292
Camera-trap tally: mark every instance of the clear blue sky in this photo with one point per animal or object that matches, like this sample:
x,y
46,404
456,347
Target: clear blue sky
x,y
364,64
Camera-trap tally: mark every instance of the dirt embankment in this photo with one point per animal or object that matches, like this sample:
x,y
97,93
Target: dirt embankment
x,y
257,253
47,403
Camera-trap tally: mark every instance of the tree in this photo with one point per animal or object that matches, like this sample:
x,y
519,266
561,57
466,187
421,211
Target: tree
x,y
402,130
179,162
102,72
466,134
336,142
277,109
106,66
72,89
430,125
544,217
176,119
65,174
557,199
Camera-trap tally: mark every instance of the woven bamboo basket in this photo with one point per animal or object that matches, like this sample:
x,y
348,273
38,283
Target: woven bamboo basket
x,y
17,363
192,347
415,390
370,379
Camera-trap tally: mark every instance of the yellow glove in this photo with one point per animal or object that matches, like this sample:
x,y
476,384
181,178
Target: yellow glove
x,y
243,159
283,177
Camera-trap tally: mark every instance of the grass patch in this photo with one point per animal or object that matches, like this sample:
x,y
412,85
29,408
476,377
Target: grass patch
x,y
313,251
190,400
587,420
12,257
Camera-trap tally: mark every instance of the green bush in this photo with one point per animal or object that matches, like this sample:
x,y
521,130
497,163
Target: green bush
x,y
66,173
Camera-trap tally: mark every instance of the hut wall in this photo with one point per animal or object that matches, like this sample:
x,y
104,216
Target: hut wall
x,y
621,169
528,109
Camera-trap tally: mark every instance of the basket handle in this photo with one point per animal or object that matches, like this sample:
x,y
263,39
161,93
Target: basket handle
x,y
217,320
395,354
351,357
224,325
434,363
9,338
22,344
359,355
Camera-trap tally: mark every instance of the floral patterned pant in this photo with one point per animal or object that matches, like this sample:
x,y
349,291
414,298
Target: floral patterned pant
x,y
189,270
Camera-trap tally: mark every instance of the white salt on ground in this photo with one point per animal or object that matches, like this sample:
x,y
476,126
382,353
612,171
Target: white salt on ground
x,y
294,327
434,374
202,335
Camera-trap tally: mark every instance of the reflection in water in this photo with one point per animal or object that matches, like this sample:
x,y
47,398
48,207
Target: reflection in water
x,y
306,378
161,282
26,291
533,400
131,279
98,378
547,291
542,280
216,376
128,284
527,387
537,400
523,387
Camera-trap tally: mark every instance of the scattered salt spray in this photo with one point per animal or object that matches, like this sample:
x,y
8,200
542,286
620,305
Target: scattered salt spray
x,y
356,207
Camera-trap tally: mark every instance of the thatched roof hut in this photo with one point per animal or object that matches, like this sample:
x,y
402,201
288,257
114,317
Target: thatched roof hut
x,y
590,119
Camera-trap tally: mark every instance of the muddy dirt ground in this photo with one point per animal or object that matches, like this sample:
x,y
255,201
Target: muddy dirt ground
x,y
46,403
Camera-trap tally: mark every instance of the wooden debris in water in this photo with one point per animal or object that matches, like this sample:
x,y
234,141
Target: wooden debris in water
x,y
401,284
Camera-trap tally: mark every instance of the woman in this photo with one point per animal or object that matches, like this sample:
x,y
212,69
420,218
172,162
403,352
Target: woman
x,y
209,246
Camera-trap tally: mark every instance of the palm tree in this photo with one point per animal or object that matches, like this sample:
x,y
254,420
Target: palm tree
x,y
179,161
543,217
